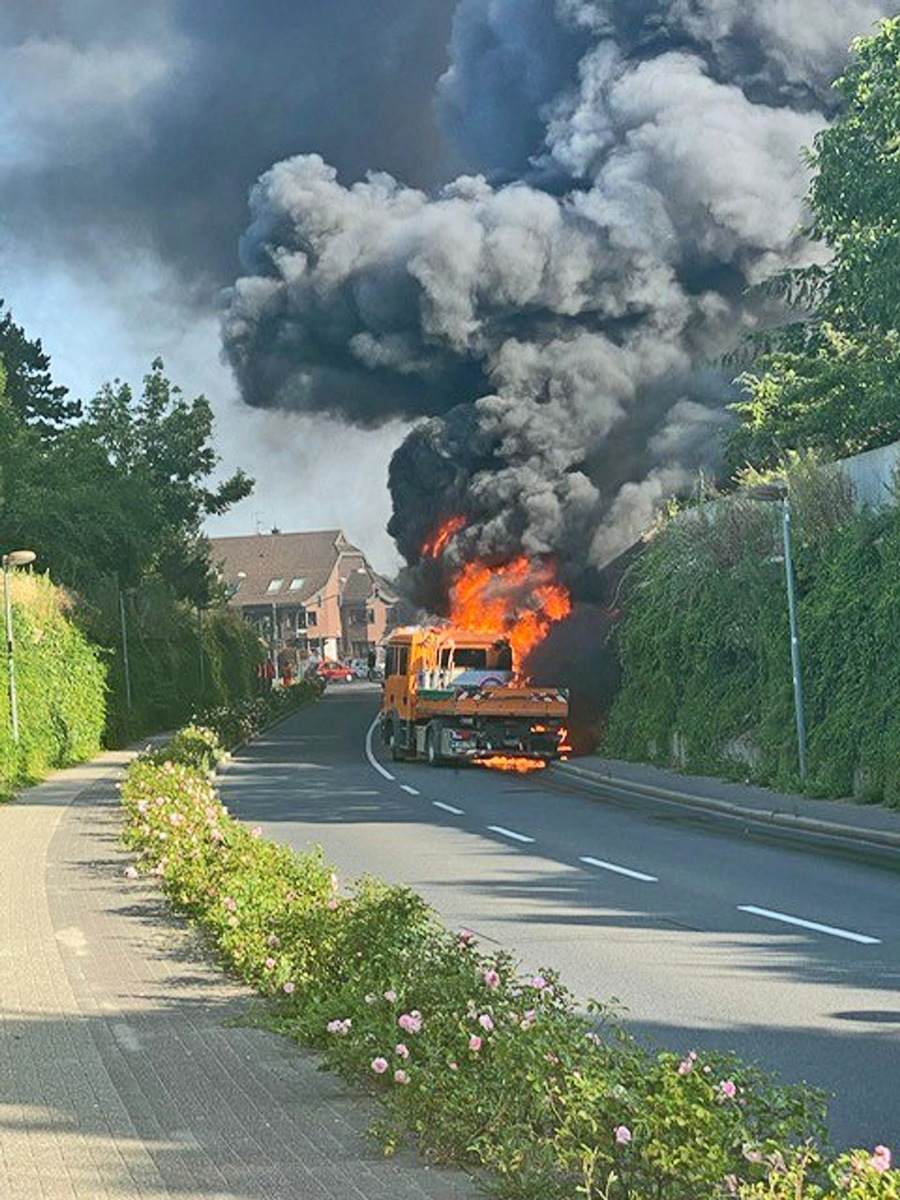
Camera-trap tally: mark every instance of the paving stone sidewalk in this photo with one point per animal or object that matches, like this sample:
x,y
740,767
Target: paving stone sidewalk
x,y
122,1073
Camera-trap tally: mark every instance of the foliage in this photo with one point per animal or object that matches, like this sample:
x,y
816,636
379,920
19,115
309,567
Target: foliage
x,y
60,686
129,492
488,1067
705,646
828,380
33,396
179,660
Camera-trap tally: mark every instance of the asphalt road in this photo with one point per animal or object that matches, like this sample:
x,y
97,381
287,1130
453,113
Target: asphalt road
x,y
684,924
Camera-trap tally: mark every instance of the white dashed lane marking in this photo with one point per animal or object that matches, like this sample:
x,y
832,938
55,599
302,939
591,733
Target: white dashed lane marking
x,y
608,866
510,833
846,934
457,812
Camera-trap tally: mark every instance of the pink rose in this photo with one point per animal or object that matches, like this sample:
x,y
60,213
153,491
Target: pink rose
x,y
881,1158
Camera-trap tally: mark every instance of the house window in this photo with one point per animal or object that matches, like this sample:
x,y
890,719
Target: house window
x,y
296,583
311,618
275,585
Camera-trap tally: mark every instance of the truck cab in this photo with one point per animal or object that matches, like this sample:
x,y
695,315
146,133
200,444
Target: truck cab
x,y
451,695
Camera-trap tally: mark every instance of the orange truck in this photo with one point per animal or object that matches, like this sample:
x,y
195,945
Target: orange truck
x,y
450,695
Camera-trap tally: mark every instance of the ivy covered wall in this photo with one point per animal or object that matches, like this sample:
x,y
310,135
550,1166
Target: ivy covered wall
x,y
704,643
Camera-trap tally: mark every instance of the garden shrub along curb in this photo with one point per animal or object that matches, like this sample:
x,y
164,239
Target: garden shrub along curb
x,y
488,1068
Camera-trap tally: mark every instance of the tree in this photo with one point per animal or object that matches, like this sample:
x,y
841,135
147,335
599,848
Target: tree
x,y
124,491
829,380
158,448
30,389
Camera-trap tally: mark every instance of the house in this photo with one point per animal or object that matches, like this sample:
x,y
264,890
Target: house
x,y
310,595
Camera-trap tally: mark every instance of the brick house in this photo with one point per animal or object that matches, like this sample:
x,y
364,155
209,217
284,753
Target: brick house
x,y
310,595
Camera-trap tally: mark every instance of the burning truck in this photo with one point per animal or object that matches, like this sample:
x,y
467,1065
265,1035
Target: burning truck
x,y
455,691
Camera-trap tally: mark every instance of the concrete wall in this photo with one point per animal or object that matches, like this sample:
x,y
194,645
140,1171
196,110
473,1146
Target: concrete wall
x,y
873,475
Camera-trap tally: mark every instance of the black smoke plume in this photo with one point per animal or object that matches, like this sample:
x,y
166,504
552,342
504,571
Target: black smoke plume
x,y
557,315
555,319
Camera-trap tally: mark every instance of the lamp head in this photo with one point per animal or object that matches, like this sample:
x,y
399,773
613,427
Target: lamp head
x,y
772,489
19,558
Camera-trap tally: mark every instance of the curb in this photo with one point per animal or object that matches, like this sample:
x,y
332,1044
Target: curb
x,y
793,822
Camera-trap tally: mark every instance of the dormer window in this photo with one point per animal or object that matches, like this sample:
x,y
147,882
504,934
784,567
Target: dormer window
x,y
275,585
296,583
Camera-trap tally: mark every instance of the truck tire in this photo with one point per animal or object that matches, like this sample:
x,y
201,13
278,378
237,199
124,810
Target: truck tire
x,y
431,748
397,754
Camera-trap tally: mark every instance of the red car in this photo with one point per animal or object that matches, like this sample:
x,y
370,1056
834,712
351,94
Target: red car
x,y
330,670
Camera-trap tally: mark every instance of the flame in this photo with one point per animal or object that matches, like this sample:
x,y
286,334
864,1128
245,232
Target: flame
x,y
519,600
511,762
434,546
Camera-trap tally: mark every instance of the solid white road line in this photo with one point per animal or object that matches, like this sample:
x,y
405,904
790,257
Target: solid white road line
x,y
510,833
373,761
863,938
608,866
406,788
457,812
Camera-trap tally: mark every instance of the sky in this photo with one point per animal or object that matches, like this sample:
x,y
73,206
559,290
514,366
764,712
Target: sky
x,y
419,254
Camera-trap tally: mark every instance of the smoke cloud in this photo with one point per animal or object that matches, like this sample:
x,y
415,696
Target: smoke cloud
x,y
555,315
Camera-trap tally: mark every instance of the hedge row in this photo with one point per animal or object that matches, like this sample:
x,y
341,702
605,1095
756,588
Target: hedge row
x,y
704,645
488,1068
60,687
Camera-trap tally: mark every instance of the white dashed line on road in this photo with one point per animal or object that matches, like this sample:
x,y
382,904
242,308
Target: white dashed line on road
x,y
510,833
457,812
862,938
406,788
608,866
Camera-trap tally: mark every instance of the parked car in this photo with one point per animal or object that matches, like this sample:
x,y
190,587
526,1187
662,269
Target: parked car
x,y
361,669
329,669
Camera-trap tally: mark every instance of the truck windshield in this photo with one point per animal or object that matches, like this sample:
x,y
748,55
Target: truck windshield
x,y
471,658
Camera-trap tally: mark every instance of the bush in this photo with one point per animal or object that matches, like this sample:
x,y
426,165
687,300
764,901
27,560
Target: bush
x,y
705,645
60,685
487,1067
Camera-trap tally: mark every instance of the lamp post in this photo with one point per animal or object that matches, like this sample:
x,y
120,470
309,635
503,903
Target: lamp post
x,y
776,490
15,558
125,663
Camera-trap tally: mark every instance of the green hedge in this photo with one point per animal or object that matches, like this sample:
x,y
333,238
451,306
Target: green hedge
x,y
180,660
60,686
488,1068
704,645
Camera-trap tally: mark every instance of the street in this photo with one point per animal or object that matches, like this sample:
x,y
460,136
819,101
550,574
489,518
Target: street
x,y
787,957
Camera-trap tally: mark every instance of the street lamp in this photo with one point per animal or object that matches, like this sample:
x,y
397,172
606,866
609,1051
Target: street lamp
x,y
776,490
126,665
15,558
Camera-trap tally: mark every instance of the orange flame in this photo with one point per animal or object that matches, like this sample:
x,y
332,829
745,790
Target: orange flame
x,y
434,545
519,600
511,762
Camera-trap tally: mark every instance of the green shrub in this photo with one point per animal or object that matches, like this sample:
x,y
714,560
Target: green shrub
x,y
60,686
485,1066
705,645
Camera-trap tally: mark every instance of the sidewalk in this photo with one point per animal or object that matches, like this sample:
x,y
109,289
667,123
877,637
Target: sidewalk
x,y
121,1072
863,828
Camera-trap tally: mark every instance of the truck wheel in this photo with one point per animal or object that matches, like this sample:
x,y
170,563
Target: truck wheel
x,y
431,750
396,752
